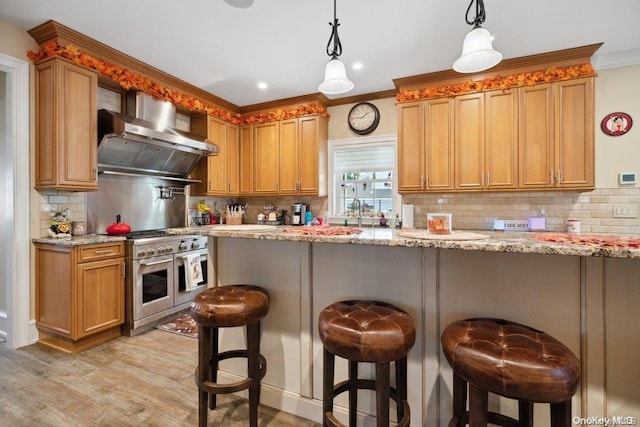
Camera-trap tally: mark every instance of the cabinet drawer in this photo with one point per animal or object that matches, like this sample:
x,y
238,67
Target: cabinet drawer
x,y
100,251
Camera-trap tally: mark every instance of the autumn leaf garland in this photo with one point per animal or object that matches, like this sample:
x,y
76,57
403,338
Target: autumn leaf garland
x,y
130,80
551,74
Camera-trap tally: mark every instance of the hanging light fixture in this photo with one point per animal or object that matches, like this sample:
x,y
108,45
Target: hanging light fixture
x,y
477,50
335,75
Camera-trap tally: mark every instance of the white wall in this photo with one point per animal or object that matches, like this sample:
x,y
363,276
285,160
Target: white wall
x,y
5,167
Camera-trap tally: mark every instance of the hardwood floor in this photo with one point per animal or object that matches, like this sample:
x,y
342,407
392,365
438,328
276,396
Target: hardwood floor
x,y
145,380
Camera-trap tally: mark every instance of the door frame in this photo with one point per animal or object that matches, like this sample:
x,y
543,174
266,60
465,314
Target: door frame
x,y
17,198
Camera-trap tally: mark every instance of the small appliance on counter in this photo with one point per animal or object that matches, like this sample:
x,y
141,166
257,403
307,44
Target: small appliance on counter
x,y
299,213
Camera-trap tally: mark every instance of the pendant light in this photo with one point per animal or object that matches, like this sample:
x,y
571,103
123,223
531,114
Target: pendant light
x,y
477,50
335,75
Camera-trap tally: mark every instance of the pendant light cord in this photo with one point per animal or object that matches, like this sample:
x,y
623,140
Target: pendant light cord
x,y
481,16
337,46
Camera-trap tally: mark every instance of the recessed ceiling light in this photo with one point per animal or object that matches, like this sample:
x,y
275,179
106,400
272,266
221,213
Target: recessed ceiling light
x,y
262,85
357,65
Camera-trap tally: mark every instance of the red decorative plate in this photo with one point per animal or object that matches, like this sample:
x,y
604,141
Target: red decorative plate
x,y
616,124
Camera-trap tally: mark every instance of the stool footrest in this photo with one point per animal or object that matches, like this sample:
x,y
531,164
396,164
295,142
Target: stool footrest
x,y
217,388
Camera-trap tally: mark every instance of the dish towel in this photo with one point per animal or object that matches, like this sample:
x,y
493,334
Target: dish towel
x,y
192,271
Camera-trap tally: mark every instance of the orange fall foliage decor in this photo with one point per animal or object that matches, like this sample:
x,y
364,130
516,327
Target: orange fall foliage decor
x,y
130,80
551,74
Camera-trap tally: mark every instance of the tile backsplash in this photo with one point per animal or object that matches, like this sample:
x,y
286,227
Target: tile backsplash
x,y
594,209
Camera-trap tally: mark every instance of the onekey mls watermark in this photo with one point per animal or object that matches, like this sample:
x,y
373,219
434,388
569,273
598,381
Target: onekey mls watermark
x,y
605,421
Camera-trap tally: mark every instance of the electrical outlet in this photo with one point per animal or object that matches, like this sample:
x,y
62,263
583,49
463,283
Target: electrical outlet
x,y
624,211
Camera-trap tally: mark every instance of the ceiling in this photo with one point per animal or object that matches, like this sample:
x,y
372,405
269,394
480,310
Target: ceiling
x,y
226,51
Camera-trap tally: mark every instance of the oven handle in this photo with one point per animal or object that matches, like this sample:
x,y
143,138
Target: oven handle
x,y
155,262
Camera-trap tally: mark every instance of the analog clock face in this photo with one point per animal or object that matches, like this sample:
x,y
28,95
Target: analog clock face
x,y
364,118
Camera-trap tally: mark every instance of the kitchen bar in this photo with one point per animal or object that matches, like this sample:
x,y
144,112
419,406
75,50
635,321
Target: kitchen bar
x,y
579,294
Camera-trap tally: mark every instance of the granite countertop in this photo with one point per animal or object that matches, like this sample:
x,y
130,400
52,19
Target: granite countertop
x,y
89,239
496,241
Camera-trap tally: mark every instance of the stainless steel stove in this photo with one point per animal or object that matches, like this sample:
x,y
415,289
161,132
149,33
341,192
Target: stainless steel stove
x,y
156,283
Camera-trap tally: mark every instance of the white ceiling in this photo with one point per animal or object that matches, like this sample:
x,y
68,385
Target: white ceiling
x,y
227,51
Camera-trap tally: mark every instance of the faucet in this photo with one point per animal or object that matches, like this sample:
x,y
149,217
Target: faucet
x,y
358,204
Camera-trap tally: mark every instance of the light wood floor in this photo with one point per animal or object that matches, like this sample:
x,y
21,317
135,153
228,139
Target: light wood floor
x,y
145,380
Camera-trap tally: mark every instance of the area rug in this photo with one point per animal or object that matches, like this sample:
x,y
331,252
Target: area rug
x,y
181,325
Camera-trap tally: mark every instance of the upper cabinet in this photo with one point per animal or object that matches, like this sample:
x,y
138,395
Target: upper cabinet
x,y
218,174
556,135
289,157
529,138
66,127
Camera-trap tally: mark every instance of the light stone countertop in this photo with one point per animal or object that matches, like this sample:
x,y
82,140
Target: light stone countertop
x,y
89,239
498,241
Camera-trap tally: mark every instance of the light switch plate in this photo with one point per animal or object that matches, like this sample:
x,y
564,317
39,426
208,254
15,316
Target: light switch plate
x,y
624,211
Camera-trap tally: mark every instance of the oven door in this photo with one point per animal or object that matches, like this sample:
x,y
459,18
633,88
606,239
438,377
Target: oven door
x,y
182,295
152,286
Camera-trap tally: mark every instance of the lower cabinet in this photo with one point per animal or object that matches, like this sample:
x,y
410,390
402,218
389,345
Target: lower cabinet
x,y
79,294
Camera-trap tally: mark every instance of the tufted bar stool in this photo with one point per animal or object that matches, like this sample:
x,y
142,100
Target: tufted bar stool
x,y
373,332
224,307
510,360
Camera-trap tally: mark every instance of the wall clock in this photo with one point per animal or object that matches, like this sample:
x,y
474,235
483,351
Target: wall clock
x,y
363,118
616,124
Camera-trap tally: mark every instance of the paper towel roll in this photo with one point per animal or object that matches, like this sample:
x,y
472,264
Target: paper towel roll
x,y
407,216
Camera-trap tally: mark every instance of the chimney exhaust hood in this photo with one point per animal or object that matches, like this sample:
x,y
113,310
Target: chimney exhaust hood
x,y
145,142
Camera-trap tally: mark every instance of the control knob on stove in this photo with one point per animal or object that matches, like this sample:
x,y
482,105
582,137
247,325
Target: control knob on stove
x,y
195,245
151,251
182,246
142,253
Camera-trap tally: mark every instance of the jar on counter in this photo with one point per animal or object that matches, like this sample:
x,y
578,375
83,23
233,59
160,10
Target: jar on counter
x,y
573,226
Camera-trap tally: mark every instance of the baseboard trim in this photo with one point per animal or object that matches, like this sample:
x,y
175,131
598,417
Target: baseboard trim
x,y
33,332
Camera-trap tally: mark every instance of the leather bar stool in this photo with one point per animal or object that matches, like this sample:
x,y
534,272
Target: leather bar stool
x,y
366,331
223,307
510,360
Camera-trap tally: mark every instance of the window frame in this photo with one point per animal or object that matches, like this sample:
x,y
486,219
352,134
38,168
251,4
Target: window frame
x,y
363,142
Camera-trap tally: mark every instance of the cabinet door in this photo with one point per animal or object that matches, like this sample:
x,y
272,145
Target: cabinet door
x,y
438,142
246,160
574,133
469,142
535,136
288,147
410,147
308,153
233,161
54,308
501,139
217,182
265,155
66,149
100,296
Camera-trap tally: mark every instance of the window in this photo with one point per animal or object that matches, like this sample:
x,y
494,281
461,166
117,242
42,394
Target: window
x,y
362,178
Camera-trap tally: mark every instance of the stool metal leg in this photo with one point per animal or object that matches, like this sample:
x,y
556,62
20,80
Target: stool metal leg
x,y
204,356
401,386
561,414
253,367
383,394
478,406
213,365
353,393
327,384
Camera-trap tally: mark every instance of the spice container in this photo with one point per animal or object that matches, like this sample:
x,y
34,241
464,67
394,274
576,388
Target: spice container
x,y
439,223
573,226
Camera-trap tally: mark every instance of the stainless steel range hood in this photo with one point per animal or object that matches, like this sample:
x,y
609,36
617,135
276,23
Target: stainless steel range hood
x,y
145,142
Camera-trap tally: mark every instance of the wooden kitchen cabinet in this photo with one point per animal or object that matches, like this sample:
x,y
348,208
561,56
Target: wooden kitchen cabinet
x,y
501,140
290,157
469,142
79,294
245,173
218,174
556,135
66,126
425,145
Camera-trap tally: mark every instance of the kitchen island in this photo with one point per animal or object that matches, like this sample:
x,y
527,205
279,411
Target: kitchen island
x,y
586,296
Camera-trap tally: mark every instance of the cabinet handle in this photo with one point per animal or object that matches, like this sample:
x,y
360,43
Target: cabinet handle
x,y
551,176
488,179
104,252
124,271
559,176
423,182
482,180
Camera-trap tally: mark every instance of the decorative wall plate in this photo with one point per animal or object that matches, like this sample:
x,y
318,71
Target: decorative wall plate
x,y
616,124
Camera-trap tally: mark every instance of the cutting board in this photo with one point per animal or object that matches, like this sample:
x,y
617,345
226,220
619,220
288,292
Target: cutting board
x,y
455,235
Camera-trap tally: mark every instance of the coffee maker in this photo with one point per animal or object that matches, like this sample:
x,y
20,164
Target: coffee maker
x,y
298,213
